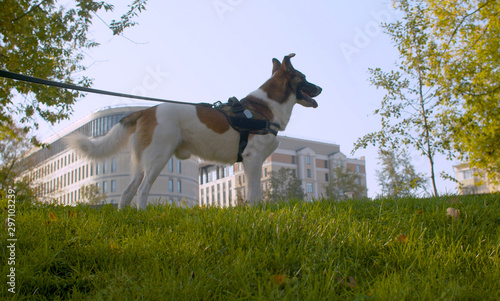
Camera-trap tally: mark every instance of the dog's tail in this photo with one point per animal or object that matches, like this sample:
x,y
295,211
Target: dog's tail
x,y
114,141
102,147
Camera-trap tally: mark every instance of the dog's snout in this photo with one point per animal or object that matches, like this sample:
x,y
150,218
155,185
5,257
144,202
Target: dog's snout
x,y
318,90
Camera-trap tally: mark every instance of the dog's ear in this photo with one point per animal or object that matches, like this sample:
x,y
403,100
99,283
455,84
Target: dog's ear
x,y
276,65
287,65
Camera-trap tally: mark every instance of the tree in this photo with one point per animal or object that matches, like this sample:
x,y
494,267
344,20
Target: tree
x,y
284,184
12,149
41,39
408,109
343,183
398,177
92,195
466,65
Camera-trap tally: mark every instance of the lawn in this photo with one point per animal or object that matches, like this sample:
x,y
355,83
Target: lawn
x,y
407,249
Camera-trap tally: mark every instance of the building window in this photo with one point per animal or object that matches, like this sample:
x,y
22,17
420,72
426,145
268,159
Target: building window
x,y
468,174
213,196
218,195
309,174
308,160
358,168
179,166
113,165
171,185
293,159
91,170
309,187
97,168
327,177
326,163
171,165
359,181
105,167
104,187
113,185
339,163
179,187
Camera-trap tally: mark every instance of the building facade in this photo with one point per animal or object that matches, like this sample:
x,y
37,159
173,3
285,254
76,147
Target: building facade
x,y
60,174
473,181
312,162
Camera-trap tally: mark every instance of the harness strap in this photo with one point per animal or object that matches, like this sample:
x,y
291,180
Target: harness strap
x,y
243,120
242,145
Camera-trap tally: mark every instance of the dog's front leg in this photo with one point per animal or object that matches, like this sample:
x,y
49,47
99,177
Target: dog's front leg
x,y
253,166
258,149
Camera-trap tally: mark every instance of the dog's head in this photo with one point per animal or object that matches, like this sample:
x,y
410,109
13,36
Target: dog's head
x,y
288,84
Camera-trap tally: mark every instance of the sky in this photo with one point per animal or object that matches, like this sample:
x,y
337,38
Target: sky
x,y
210,50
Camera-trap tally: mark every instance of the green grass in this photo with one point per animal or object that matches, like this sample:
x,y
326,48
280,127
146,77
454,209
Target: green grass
x,y
407,249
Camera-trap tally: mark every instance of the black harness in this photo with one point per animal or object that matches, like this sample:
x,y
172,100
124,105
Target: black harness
x,y
245,121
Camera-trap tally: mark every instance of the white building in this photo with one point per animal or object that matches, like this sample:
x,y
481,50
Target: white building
x,y
59,173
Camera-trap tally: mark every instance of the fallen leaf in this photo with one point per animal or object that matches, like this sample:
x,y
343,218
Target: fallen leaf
x,y
402,238
453,213
115,247
52,216
279,279
351,282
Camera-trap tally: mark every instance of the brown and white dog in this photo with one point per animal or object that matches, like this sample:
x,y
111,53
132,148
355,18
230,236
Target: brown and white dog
x,y
183,130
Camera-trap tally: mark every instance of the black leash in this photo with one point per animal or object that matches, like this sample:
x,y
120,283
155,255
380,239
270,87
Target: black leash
x,y
242,122
40,81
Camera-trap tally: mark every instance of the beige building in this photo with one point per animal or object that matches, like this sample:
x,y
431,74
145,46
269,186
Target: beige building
x,y
313,163
472,180
59,173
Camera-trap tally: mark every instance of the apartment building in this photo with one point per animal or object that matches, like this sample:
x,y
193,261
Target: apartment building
x,y
59,173
312,162
473,181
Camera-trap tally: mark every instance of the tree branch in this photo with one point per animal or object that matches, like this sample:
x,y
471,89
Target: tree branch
x,y
29,11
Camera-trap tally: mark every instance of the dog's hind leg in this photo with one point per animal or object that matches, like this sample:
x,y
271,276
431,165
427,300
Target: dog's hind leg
x,y
151,173
154,160
131,190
